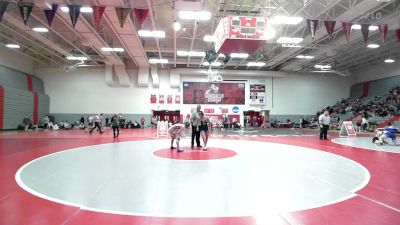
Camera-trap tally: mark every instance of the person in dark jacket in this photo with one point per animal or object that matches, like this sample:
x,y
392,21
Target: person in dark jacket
x,y
115,125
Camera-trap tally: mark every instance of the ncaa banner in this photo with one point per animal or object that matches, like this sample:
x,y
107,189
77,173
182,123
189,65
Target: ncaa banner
x,y
213,93
257,92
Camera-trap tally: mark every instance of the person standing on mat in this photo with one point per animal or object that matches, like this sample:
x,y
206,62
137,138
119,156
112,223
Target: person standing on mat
x,y
324,122
203,127
115,125
97,123
195,121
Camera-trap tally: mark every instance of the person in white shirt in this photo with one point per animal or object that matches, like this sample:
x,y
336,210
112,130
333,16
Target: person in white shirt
x,y
324,122
176,132
97,123
364,124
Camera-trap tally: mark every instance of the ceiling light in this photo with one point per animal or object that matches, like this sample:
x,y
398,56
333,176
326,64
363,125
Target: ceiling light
x,y
269,33
220,55
305,57
155,61
373,46
194,15
322,66
239,55
86,9
40,29
286,20
206,63
289,40
285,45
82,58
64,9
118,50
216,64
209,38
105,49
389,60
177,26
256,64
191,53
356,27
372,28
13,46
148,33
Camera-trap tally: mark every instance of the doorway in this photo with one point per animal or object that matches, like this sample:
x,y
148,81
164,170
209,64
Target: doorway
x,y
172,116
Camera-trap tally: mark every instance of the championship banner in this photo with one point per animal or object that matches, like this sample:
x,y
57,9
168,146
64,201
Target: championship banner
x,y
74,11
50,13
312,26
383,29
257,92
177,99
365,31
330,27
25,9
213,93
169,99
153,99
347,30
3,7
398,34
122,14
141,15
161,99
98,12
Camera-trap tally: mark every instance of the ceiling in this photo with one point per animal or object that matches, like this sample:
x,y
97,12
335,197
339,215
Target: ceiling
x,y
62,39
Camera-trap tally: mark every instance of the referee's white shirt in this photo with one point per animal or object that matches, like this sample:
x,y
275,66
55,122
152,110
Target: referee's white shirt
x,y
325,120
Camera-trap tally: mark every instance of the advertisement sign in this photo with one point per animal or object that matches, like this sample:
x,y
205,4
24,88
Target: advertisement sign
x,y
213,93
257,92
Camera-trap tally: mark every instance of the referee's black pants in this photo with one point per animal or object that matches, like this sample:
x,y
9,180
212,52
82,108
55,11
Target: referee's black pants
x,y
96,124
323,132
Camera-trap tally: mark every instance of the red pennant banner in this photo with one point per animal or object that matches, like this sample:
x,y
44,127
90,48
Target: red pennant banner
x,y
141,15
312,26
25,9
122,14
365,31
98,12
330,27
346,30
74,11
3,7
383,29
50,13
398,34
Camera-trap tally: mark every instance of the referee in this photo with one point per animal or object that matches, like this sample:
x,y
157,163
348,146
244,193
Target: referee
x,y
324,121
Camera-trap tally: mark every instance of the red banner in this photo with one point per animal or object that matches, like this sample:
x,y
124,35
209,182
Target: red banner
x,y
365,31
208,110
177,99
224,110
383,29
312,26
141,15
213,93
50,13
98,12
398,34
330,27
153,99
169,99
122,14
346,30
161,99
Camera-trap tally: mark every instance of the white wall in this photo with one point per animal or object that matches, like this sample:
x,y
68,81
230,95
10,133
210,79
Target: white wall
x,y
15,60
307,94
378,71
85,91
